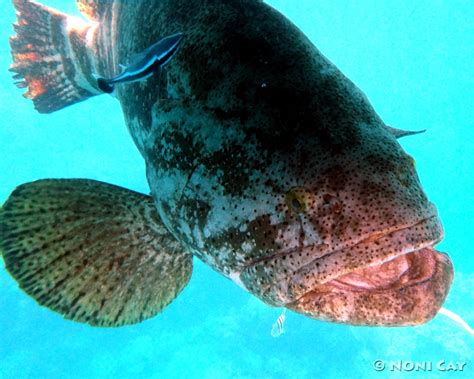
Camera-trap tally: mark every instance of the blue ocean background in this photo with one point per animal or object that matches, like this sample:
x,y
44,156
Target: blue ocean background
x,y
415,62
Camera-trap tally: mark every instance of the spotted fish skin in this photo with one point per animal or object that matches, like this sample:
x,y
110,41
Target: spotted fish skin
x,y
272,167
269,164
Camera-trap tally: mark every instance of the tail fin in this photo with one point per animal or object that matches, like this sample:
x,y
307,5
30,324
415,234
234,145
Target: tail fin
x,y
105,86
52,56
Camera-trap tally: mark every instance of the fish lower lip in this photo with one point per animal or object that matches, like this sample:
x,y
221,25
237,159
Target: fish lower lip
x,y
407,290
405,286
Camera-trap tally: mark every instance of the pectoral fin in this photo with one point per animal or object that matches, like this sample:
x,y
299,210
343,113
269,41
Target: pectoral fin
x,y
91,251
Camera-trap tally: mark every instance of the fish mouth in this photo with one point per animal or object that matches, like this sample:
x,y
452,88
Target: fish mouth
x,y
391,278
404,283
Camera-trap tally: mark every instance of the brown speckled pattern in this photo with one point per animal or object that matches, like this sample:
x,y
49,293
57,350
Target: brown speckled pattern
x,y
409,305
271,166
91,251
259,150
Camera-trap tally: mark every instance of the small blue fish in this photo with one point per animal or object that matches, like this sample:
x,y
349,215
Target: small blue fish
x,y
277,327
145,63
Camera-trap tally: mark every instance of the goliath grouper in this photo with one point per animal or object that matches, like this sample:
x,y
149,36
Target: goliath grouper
x,y
263,160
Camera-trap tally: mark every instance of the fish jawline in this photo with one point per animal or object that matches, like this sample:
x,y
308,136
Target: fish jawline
x,y
406,285
412,292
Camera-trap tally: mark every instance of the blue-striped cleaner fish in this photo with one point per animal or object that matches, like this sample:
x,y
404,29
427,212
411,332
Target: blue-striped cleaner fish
x,y
277,327
144,64
263,160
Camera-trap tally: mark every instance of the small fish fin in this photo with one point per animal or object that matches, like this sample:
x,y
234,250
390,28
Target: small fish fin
x,y
457,319
93,9
91,251
278,326
136,58
276,331
399,133
105,86
52,56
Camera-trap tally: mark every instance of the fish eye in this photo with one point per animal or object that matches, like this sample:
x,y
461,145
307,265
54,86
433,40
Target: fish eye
x,y
296,204
295,200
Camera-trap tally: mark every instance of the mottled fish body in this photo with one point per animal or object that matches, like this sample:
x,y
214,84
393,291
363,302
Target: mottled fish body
x,y
263,160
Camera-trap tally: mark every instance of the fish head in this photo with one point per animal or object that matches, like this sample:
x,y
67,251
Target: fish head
x,y
328,222
331,222
351,236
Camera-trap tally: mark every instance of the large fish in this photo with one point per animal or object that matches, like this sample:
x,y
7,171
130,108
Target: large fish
x,y
263,160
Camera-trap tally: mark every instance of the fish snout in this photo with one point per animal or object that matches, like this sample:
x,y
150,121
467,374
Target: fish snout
x,y
409,290
391,278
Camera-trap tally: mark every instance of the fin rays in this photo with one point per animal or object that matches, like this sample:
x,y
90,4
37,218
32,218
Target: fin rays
x,y
43,57
88,251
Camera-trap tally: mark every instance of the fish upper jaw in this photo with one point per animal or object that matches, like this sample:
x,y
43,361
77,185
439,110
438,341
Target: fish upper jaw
x,y
370,252
384,265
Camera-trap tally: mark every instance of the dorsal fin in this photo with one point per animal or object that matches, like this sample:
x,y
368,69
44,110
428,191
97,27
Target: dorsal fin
x,y
399,133
93,9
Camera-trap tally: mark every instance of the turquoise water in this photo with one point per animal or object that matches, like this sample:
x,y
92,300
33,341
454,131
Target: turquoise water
x,y
414,60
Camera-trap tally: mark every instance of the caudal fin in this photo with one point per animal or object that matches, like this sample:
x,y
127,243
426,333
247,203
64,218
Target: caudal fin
x,y
52,56
105,86
91,251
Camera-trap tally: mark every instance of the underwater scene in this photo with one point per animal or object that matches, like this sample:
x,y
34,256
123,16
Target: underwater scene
x,y
235,207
